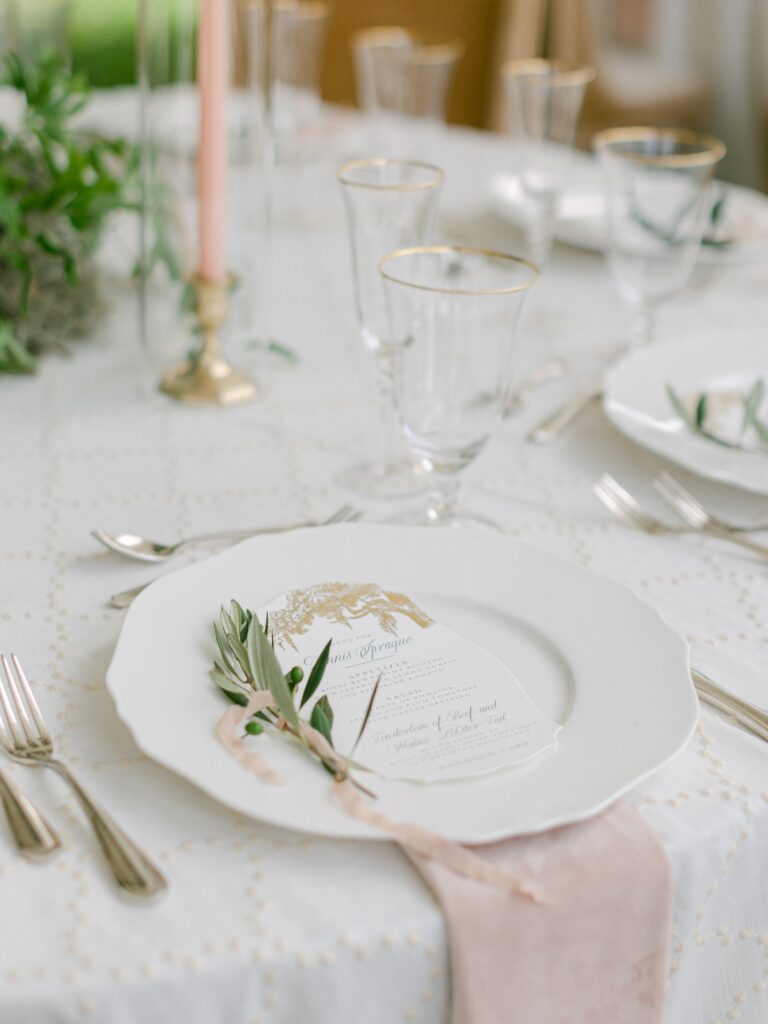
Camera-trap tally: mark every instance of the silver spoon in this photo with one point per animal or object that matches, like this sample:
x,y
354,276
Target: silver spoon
x,y
144,550
126,597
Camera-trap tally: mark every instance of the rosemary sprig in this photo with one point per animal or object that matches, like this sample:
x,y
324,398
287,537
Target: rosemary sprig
x,y
247,662
697,420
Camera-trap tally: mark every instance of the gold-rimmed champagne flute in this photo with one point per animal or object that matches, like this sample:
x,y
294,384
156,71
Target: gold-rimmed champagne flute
x,y
544,100
454,314
659,193
390,204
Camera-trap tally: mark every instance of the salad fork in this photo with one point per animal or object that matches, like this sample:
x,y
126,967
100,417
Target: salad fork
x,y
673,492
25,736
625,507
131,546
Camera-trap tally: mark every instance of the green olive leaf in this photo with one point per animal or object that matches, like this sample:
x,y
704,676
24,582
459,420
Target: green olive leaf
x,y
227,687
319,720
316,674
701,411
677,405
267,674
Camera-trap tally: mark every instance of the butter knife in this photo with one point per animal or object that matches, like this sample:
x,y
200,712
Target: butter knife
x,y
749,715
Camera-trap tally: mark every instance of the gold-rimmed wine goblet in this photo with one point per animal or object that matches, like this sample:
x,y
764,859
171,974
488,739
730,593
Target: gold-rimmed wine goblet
x,y
544,101
659,192
404,83
454,314
390,204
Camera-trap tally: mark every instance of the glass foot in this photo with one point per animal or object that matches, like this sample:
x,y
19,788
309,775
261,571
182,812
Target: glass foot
x,y
430,517
385,481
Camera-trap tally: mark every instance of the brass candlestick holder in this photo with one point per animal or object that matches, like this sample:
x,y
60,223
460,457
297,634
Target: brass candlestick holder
x,y
207,378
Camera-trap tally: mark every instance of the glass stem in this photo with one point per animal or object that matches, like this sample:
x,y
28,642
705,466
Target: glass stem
x,y
387,427
539,233
443,497
643,327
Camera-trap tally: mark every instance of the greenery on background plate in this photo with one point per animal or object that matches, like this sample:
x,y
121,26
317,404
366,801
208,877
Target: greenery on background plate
x,y
696,418
58,187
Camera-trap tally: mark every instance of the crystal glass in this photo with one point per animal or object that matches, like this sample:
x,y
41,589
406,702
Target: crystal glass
x,y
659,187
544,100
299,31
454,314
30,28
390,204
404,84
370,48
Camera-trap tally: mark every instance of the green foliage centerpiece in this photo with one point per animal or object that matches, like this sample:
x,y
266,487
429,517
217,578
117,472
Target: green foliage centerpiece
x,y
58,187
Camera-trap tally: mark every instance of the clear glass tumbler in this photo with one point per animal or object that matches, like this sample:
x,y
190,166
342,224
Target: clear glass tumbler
x,y
390,204
544,100
659,189
454,314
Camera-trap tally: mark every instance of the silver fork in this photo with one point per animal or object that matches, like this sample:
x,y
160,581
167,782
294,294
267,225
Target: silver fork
x,y
346,514
619,501
25,736
145,550
625,507
666,485
697,517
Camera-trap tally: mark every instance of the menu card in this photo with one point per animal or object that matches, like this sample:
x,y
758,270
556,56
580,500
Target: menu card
x,y
445,708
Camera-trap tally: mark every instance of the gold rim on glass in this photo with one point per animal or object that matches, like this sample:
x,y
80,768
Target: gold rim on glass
x,y
557,72
417,250
416,186
435,53
709,150
380,35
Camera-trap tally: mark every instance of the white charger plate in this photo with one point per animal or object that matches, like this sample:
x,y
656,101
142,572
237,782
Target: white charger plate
x,y
581,214
635,400
588,651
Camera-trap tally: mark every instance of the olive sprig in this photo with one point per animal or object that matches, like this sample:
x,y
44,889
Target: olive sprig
x,y
247,662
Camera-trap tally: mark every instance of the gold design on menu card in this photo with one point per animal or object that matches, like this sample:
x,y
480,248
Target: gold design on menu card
x,y
341,603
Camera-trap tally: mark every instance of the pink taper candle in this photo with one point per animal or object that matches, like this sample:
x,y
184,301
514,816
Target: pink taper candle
x,y
212,74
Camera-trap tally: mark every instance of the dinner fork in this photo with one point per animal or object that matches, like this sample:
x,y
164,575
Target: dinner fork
x,y
625,507
697,517
25,736
673,492
346,514
131,546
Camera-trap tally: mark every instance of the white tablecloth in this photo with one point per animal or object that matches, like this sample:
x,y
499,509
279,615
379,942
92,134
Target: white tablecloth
x,y
267,926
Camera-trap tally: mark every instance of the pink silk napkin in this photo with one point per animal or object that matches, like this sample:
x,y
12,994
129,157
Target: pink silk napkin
x,y
568,927
594,953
